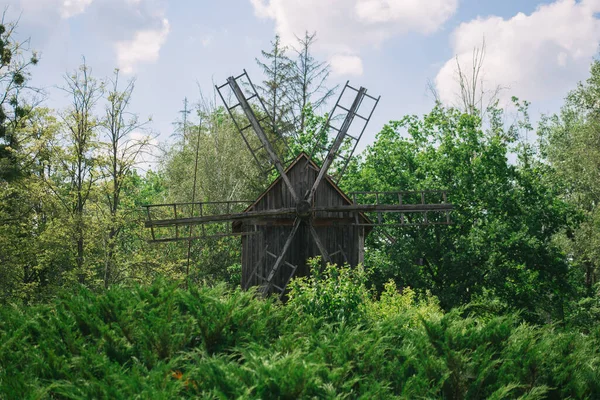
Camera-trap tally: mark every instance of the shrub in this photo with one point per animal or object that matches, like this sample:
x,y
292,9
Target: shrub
x,y
336,294
160,341
392,303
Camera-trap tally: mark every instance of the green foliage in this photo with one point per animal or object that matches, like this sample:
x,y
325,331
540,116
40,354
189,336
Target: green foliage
x,y
504,221
277,70
313,138
569,143
16,60
392,303
122,340
584,313
159,341
336,294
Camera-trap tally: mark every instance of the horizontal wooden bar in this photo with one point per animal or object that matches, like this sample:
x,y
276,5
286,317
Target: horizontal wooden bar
x,y
265,217
441,191
219,218
384,208
215,236
404,224
199,203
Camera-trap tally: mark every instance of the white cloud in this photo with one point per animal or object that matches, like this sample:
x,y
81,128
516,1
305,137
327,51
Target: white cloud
x,y
345,64
415,15
52,10
536,56
144,47
136,29
346,26
71,8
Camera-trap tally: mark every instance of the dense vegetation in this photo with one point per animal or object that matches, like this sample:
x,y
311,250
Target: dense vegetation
x,y
330,341
504,303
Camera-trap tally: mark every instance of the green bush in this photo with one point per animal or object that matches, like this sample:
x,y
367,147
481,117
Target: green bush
x,y
392,303
161,341
335,294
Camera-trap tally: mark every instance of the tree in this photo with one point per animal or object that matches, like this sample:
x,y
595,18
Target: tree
x,y
74,181
27,210
473,97
570,144
308,81
505,217
225,170
277,69
123,153
16,58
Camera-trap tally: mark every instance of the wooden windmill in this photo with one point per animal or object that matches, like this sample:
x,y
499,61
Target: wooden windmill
x,y
303,213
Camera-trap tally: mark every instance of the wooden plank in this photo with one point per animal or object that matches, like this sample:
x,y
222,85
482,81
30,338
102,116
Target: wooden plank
x,y
361,245
261,135
337,143
219,218
241,202
319,243
214,236
386,208
286,246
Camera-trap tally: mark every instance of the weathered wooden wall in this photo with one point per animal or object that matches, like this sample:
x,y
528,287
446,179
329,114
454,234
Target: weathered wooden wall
x,y
274,231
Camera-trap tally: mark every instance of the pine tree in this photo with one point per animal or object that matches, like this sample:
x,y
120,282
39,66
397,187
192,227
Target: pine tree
x,y
278,70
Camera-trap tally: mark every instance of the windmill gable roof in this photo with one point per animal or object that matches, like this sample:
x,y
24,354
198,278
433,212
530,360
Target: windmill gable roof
x,y
296,164
299,162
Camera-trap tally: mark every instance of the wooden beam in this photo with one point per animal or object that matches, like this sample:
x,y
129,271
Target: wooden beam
x,y
286,247
188,238
322,248
219,218
256,215
317,222
429,223
261,135
384,208
197,203
361,244
337,142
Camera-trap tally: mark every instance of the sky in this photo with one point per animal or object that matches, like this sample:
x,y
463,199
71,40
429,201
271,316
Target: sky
x,y
535,50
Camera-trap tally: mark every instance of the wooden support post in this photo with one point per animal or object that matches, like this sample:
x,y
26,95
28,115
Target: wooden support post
x,y
343,254
176,226
361,244
150,220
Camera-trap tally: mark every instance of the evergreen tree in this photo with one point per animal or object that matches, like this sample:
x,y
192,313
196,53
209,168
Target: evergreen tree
x,y
277,68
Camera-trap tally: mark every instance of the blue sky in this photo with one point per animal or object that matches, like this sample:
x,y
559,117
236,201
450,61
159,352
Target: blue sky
x,y
538,50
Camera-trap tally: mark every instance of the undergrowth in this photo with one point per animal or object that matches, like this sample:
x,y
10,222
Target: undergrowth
x,y
332,339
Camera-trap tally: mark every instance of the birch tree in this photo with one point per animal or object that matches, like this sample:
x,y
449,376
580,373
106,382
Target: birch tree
x,y
126,142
